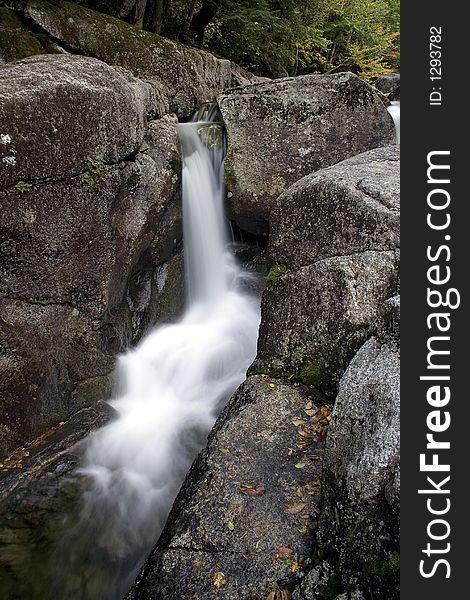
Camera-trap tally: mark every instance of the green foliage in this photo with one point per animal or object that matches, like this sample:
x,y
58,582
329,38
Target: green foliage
x,y
288,37
364,35
97,172
275,272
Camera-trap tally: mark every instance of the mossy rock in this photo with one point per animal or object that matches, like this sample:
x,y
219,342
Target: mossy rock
x,y
15,42
188,76
9,19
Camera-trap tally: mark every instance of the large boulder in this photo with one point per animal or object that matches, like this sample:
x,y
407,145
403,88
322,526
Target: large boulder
x,y
242,525
315,318
351,207
280,131
83,194
41,139
359,526
183,77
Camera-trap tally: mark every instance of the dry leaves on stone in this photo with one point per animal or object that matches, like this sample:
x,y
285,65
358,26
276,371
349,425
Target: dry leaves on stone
x,y
14,461
249,490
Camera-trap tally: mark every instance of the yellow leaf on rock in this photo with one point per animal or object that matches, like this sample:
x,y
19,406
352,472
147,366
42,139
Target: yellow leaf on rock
x,y
218,580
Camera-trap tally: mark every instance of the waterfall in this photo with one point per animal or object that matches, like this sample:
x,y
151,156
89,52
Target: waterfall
x,y
170,389
394,110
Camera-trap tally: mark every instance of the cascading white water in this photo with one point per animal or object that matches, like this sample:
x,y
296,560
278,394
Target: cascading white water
x,y
171,386
394,110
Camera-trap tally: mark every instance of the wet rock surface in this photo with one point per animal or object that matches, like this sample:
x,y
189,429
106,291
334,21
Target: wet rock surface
x,y
282,130
242,525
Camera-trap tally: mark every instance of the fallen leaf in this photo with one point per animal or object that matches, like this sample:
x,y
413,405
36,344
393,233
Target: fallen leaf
x,y
309,406
310,412
303,445
325,411
279,595
272,385
300,465
249,490
197,567
284,552
303,529
306,432
294,508
298,422
224,450
218,580
230,526
295,567
312,457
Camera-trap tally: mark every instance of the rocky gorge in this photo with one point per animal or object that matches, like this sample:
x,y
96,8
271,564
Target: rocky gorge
x,y
296,493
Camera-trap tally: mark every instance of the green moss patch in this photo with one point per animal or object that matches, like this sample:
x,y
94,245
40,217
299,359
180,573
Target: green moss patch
x,y
385,568
275,272
97,172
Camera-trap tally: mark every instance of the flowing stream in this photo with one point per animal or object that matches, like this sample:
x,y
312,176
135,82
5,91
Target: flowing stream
x,y
394,110
170,389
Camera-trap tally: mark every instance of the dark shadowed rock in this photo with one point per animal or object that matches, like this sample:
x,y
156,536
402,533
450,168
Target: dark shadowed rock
x,y
88,191
359,525
351,207
282,130
15,41
314,319
222,543
389,85
184,76
38,488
